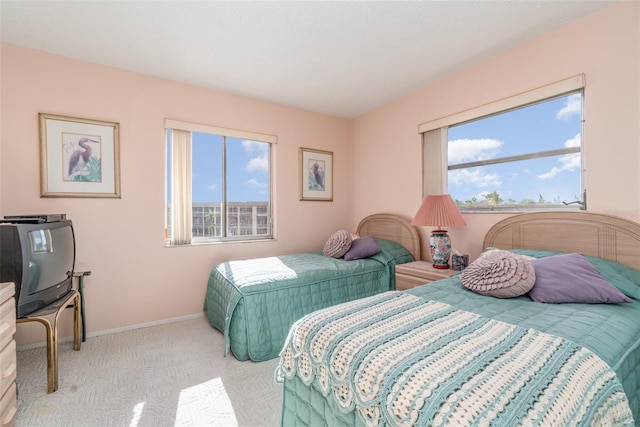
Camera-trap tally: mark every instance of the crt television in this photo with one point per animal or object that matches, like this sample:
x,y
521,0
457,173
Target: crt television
x,y
39,257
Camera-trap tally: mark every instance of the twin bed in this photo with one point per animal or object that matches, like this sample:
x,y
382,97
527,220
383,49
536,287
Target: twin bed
x,y
442,354
254,302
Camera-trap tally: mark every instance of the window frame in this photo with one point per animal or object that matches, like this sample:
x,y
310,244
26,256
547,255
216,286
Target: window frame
x,y
435,142
272,140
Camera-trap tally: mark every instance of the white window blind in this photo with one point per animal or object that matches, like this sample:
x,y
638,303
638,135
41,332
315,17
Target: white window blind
x,y
195,127
549,91
181,187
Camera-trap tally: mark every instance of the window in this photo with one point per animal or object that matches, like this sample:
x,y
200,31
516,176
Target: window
x,y
218,184
521,153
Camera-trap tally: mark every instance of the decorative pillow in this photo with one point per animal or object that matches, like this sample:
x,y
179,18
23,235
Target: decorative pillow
x,y
338,244
363,247
500,274
571,278
625,278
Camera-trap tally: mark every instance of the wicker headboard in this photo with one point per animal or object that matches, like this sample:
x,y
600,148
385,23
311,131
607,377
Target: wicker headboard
x,y
604,236
392,227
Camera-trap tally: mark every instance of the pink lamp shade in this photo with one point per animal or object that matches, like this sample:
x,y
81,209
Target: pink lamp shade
x,y
439,210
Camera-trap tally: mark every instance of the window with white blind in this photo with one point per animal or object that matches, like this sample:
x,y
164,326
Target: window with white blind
x,y
520,153
218,184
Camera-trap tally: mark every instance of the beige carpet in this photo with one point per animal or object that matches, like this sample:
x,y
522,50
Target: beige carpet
x,y
169,375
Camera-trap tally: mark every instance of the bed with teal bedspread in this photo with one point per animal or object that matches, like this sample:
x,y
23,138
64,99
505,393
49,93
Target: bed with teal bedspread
x,y
314,374
604,329
255,302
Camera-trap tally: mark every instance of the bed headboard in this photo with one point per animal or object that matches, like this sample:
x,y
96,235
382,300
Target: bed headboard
x,y
604,236
392,227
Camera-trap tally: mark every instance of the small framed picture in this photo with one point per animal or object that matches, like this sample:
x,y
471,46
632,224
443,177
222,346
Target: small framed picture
x,y
316,175
78,157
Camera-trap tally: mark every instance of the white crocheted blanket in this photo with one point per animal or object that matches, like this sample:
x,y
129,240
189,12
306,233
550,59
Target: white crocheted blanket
x,y
404,361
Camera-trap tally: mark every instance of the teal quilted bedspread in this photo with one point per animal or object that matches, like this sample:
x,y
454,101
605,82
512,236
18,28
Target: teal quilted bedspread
x,y
610,331
401,360
255,302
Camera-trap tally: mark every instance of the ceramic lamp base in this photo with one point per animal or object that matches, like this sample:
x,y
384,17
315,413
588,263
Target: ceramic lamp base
x,y
440,245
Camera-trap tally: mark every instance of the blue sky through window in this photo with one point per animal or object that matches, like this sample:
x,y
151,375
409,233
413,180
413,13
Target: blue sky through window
x,y
548,125
247,169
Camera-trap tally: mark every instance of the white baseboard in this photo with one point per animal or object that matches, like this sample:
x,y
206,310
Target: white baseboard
x,y
116,330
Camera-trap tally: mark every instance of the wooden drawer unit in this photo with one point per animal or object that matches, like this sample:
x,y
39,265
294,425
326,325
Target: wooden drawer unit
x,y
418,273
8,403
7,321
8,407
7,366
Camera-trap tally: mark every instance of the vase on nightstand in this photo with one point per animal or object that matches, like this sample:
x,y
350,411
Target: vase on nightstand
x,y
440,245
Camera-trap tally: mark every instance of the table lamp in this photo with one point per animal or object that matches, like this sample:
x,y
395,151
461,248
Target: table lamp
x,y
439,210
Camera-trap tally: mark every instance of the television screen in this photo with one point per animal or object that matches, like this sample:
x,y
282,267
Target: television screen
x,y
51,257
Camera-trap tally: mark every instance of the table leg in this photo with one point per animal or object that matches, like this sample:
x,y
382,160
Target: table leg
x,y
51,329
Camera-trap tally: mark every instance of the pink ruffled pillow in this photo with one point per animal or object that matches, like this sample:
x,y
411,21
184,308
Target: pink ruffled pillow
x,y
338,244
500,274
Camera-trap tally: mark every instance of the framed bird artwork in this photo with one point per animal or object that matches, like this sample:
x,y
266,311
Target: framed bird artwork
x,y
78,157
316,175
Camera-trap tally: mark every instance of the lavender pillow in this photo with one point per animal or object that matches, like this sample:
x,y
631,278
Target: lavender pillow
x,y
571,278
363,247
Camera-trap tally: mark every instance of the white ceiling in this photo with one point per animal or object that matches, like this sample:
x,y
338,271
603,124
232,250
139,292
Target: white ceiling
x,y
341,58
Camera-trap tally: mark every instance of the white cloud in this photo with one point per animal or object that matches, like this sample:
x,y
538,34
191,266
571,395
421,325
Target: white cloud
x,y
467,150
256,183
212,187
572,107
568,162
477,178
262,186
552,173
260,161
576,141
258,164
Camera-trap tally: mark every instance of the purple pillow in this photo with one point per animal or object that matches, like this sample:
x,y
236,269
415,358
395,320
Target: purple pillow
x,y
363,247
571,278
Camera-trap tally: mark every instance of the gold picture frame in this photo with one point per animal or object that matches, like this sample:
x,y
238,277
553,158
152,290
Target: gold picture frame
x,y
316,175
79,157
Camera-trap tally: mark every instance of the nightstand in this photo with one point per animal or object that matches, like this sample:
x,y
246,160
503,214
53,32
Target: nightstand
x,y
418,273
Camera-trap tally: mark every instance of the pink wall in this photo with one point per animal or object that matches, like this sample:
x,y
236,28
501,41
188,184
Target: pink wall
x,y
605,46
135,279
377,163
